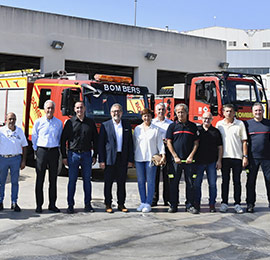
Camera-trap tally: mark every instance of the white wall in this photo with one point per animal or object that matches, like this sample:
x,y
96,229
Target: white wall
x,y
25,32
246,39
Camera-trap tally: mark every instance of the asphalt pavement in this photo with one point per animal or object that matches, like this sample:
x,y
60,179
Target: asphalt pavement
x,y
156,235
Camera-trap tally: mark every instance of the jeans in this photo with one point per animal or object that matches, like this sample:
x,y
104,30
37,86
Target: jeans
x,y
75,160
236,166
212,179
12,163
146,173
252,177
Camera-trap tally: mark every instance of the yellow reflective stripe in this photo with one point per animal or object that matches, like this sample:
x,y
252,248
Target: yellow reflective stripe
x,y
170,176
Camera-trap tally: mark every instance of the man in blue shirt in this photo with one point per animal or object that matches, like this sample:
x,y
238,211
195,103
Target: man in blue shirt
x,y
182,142
258,130
46,141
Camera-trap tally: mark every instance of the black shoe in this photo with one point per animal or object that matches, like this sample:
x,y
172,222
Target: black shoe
x,y
154,204
122,208
70,210
172,209
212,209
250,208
54,209
88,208
15,207
193,210
39,209
1,206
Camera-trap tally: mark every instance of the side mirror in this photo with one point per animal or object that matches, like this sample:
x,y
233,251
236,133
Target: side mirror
x,y
91,90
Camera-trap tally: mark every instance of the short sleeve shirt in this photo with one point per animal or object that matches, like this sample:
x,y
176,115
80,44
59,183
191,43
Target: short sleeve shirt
x,y
258,138
11,142
232,136
183,136
162,125
210,140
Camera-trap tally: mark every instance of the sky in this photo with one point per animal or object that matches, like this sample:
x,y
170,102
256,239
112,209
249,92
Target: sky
x,y
180,15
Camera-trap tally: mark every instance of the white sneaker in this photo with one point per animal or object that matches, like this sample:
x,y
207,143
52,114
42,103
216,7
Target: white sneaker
x,y
140,208
223,207
238,209
147,208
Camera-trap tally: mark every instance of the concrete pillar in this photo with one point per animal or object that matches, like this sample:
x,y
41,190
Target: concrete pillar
x,y
51,63
146,76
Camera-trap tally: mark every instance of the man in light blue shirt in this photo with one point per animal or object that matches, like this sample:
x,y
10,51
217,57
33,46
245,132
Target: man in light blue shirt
x,y
46,141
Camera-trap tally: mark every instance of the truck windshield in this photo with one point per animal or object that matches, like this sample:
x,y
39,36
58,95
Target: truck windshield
x,y
239,92
99,107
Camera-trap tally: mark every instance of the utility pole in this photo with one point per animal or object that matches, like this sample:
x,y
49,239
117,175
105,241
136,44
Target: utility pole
x,y
135,14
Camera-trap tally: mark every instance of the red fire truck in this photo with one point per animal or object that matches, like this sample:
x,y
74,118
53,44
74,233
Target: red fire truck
x,y
25,92
209,91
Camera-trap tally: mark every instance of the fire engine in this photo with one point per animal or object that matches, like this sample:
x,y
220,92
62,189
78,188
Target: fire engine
x,y
209,91
25,92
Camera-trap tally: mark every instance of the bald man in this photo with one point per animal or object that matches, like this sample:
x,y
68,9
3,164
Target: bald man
x,y
208,158
12,157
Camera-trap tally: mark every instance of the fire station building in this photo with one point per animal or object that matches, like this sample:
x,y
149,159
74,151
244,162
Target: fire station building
x,y
153,58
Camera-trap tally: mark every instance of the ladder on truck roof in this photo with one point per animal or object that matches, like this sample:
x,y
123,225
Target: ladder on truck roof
x,y
19,73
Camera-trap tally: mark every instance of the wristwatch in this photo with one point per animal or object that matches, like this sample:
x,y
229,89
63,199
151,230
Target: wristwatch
x,y
245,156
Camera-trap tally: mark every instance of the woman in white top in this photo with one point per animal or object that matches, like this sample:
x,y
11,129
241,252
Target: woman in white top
x,y
147,142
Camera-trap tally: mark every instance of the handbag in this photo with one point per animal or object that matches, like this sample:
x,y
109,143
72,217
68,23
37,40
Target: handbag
x,y
156,159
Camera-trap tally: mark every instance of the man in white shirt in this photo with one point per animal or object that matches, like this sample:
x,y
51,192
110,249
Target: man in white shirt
x,y
13,145
46,141
162,123
235,150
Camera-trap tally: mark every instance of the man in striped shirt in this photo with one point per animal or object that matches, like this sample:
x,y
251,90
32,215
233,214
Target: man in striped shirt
x,y
258,130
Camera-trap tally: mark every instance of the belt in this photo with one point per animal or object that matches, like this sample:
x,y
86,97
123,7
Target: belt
x,y
10,155
48,148
79,151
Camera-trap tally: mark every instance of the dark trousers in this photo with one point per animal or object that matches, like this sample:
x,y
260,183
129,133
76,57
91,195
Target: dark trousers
x,y
166,188
46,157
177,170
235,165
117,172
254,165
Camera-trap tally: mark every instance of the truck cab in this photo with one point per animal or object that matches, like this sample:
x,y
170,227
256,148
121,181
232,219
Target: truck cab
x,y
99,96
210,91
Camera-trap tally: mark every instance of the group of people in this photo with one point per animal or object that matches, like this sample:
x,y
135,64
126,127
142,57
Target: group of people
x,y
183,147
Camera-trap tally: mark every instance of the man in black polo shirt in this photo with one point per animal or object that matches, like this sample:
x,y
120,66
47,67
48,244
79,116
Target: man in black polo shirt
x,y
182,142
258,130
81,135
208,158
